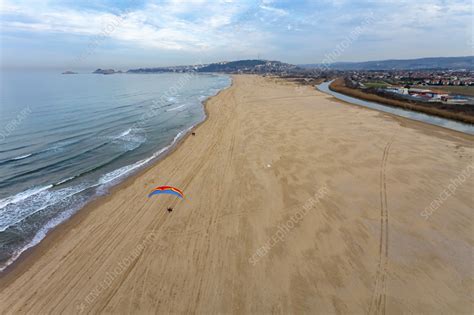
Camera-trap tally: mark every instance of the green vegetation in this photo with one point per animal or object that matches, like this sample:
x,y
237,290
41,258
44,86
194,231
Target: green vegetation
x,y
455,112
376,85
461,90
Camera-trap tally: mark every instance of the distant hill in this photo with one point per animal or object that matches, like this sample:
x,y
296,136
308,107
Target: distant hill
x,y
244,66
454,63
232,66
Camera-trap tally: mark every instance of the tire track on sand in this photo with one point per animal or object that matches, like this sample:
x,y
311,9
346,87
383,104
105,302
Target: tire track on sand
x,y
378,300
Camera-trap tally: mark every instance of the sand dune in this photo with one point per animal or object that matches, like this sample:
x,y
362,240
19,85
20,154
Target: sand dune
x,y
295,203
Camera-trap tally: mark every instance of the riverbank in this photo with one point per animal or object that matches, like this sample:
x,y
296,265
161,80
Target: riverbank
x,y
431,109
399,112
294,203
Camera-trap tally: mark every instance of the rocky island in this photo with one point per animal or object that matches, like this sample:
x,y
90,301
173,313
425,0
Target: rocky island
x,y
106,71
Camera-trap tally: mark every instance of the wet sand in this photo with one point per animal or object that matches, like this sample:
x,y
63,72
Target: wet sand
x,y
295,203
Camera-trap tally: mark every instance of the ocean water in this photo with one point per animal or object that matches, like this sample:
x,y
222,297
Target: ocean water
x,y
65,139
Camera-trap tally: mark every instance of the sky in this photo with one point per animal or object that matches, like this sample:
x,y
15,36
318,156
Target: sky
x,y
124,34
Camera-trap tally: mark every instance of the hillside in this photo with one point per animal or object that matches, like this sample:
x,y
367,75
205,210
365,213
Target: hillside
x,y
239,66
408,64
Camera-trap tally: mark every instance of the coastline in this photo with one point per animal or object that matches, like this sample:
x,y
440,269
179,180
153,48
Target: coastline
x,y
94,202
238,200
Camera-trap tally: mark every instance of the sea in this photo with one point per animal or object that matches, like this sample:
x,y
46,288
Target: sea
x,y
67,139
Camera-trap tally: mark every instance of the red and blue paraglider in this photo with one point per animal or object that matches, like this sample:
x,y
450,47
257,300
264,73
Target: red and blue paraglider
x,y
166,190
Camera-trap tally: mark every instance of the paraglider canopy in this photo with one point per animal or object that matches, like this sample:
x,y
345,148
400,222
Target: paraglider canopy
x,y
166,190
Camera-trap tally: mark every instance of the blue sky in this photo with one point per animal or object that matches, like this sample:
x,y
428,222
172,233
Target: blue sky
x,y
124,34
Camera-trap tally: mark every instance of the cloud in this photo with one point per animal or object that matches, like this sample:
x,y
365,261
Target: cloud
x,y
274,10
289,30
173,25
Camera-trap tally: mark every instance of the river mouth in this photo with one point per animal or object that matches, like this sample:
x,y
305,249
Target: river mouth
x,y
429,119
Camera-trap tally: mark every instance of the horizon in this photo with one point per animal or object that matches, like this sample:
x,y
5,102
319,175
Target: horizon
x,y
132,34
92,68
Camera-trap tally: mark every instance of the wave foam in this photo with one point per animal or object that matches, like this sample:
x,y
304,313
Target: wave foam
x,y
18,211
22,196
41,234
130,139
21,157
111,177
175,108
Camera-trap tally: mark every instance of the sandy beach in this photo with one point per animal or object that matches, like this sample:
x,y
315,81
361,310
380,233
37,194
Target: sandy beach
x,y
295,203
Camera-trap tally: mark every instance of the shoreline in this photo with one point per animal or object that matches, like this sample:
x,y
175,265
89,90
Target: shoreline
x,y
96,200
262,151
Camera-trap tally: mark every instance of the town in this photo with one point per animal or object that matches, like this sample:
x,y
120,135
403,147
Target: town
x,y
445,86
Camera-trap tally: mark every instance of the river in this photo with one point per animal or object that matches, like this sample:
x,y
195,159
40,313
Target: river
x,y
433,120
